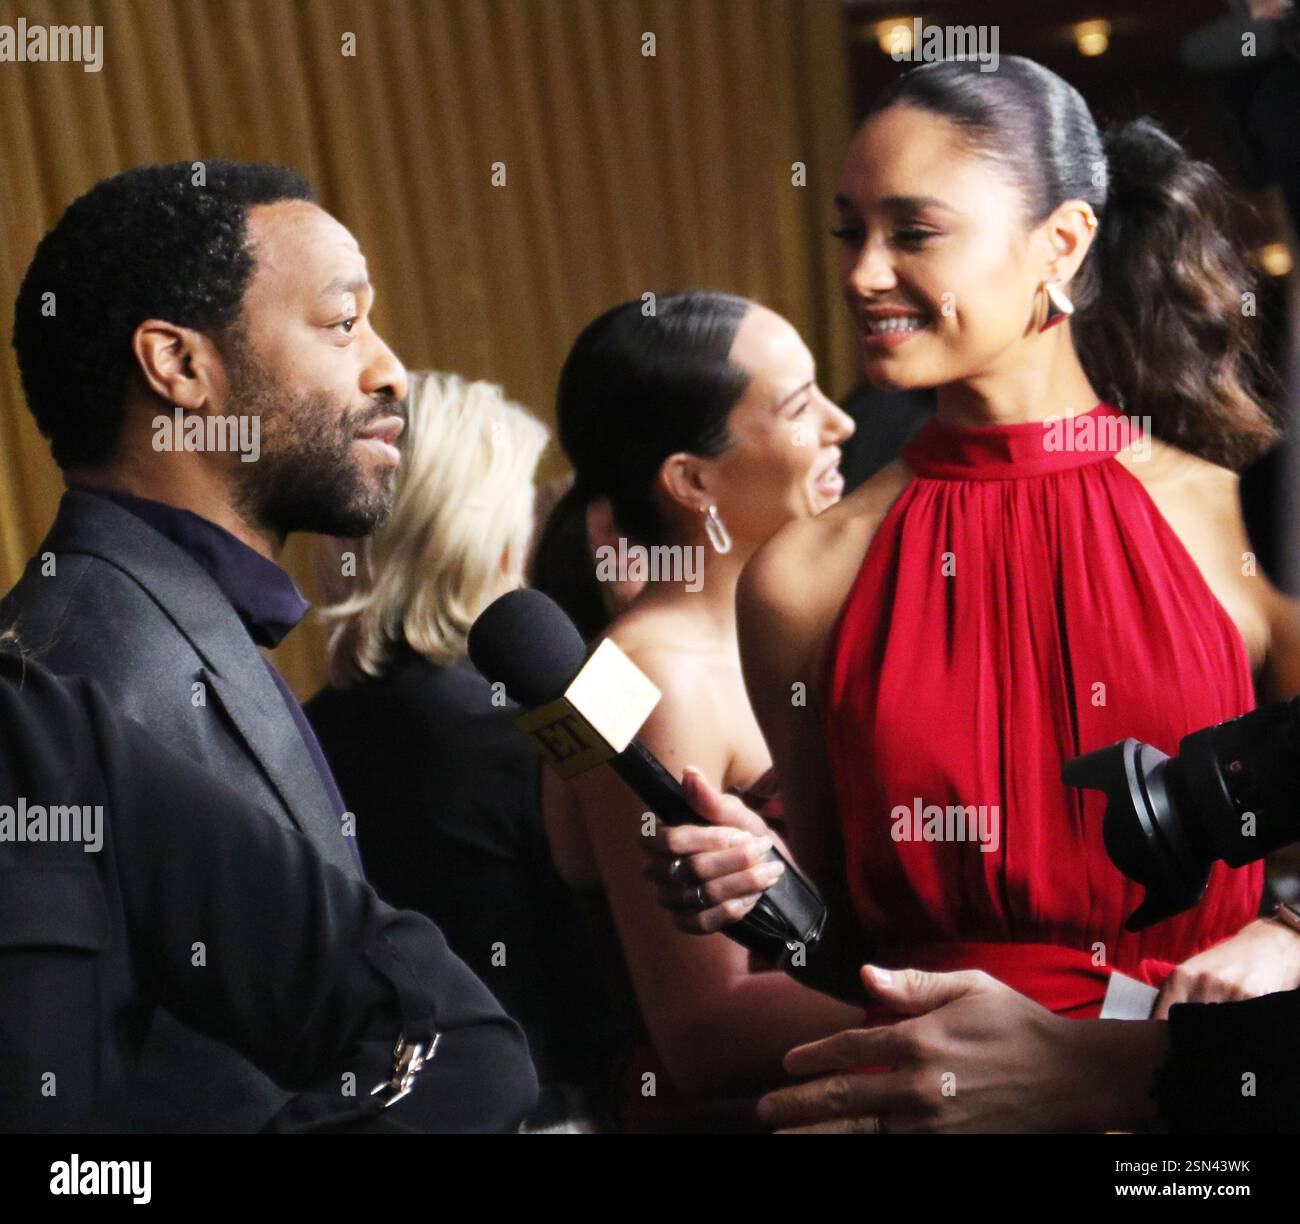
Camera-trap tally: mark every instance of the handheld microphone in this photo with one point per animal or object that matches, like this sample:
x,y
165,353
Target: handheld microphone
x,y
585,712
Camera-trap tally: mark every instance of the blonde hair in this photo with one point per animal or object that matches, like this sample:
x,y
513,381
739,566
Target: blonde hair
x,y
458,534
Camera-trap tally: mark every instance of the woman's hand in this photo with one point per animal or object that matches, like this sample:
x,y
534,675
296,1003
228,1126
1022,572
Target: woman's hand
x,y
1261,958
976,1056
708,876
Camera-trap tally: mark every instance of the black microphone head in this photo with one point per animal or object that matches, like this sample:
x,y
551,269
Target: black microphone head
x,y
525,641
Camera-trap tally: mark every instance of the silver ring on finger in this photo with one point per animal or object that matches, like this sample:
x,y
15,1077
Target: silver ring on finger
x,y
701,898
677,870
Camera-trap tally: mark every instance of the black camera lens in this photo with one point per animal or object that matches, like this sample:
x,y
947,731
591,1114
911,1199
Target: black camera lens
x,y
1232,793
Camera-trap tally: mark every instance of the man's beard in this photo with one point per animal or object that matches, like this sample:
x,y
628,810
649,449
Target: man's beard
x,y
306,477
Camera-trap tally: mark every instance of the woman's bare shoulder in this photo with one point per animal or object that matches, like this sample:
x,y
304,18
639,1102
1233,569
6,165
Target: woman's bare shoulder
x,y
1201,503
805,570
1200,499
666,647
1162,465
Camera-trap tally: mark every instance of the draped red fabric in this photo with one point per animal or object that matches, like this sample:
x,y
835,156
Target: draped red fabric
x,y
1022,602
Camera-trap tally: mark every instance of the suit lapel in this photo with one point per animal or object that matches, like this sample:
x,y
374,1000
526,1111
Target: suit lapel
x,y
234,669
256,707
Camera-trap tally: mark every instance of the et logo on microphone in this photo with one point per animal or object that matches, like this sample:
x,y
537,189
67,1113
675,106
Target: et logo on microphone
x,y
600,712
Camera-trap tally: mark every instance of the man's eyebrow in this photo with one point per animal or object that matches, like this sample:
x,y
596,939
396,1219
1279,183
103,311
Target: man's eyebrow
x,y
346,284
898,203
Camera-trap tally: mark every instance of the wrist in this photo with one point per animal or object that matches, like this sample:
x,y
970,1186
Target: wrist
x,y
1283,915
1283,925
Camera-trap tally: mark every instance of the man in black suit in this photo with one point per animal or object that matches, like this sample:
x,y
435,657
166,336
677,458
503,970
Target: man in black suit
x,y
129,878
195,341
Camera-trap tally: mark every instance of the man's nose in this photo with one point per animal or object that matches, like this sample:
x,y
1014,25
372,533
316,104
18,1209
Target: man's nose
x,y
384,375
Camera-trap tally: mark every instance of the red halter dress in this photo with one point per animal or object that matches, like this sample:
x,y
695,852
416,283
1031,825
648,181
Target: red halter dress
x,y
1022,602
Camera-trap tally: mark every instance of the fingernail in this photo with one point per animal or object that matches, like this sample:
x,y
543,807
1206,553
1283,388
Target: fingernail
x,y
765,844
883,976
736,836
769,873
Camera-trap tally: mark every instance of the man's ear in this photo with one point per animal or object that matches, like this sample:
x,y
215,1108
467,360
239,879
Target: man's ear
x,y
685,479
178,364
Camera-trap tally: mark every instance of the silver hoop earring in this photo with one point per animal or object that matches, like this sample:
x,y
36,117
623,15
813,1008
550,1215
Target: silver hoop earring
x,y
716,530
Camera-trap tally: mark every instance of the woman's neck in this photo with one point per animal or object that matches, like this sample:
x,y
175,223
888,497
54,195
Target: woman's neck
x,y
1044,379
708,590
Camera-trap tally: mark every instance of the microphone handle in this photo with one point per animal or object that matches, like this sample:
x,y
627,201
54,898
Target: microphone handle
x,y
787,915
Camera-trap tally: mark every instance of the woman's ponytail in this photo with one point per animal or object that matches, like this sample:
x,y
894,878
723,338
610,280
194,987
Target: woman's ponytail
x,y
1162,325
562,566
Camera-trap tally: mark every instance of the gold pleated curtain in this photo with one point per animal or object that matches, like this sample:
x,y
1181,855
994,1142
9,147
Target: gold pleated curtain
x,y
624,172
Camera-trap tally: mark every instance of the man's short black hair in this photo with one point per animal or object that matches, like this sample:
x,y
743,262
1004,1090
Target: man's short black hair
x,y
165,242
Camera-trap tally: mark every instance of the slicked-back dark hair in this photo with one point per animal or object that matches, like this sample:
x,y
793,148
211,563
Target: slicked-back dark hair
x,y
638,387
166,242
1158,318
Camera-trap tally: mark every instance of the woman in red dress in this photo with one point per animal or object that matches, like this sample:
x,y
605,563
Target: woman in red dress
x,y
1039,574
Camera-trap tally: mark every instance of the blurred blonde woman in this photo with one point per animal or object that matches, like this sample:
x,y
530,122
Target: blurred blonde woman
x,y
456,539
443,786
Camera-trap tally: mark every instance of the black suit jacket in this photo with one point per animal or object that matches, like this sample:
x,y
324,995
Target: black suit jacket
x,y
302,967
108,597
1234,1068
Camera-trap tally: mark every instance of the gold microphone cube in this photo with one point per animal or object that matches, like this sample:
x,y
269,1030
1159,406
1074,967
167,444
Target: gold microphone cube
x,y
601,711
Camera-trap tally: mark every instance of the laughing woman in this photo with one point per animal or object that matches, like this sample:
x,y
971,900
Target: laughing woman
x,y
995,602
704,426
